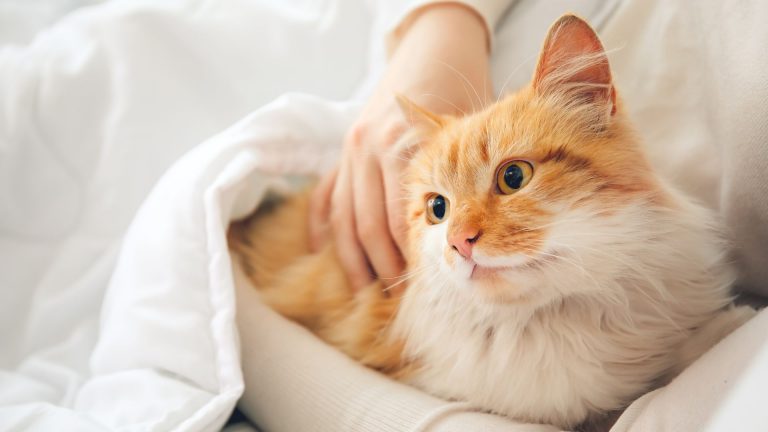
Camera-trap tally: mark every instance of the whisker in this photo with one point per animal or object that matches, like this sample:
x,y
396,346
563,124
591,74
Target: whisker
x,y
408,277
446,101
509,76
418,269
466,80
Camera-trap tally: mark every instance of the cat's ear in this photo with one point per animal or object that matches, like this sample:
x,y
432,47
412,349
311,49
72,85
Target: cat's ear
x,y
574,62
418,116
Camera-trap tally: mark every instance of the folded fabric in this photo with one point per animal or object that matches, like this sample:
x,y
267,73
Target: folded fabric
x,y
92,112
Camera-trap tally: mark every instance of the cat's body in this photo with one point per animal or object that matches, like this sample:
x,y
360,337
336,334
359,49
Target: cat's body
x,y
555,303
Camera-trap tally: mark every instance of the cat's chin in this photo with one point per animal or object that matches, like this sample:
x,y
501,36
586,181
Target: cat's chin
x,y
499,290
481,273
508,279
497,270
492,284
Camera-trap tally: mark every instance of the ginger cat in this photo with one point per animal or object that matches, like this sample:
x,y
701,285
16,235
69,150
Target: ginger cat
x,y
553,277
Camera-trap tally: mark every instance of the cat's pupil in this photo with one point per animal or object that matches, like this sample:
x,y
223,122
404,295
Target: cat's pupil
x,y
438,207
513,176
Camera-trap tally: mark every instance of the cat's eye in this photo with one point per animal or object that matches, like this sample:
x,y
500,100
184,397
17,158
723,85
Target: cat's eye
x,y
513,176
437,208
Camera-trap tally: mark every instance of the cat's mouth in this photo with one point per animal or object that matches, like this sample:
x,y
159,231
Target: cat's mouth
x,y
480,271
485,272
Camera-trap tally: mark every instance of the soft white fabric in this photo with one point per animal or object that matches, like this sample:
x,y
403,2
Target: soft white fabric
x,y
168,316
722,391
95,110
92,112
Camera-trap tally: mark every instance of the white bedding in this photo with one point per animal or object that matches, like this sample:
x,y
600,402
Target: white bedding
x,y
118,315
92,112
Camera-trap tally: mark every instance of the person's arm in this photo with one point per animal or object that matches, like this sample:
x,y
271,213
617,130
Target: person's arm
x,y
440,62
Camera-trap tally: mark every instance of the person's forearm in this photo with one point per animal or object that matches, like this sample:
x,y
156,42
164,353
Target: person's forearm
x,y
451,42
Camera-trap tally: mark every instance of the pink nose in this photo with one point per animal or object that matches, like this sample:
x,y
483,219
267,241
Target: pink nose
x,y
463,239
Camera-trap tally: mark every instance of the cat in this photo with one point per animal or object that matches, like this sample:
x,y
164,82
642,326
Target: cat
x,y
552,276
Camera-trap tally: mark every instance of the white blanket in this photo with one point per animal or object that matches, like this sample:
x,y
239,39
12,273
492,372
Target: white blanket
x,y
106,327
92,112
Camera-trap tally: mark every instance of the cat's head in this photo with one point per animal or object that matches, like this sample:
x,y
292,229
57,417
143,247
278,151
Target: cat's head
x,y
526,200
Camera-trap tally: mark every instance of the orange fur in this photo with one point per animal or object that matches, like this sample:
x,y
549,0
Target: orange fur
x,y
273,248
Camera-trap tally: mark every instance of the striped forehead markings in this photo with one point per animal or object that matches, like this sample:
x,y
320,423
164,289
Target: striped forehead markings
x,y
561,154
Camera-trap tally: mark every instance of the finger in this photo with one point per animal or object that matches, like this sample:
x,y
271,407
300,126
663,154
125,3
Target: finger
x,y
371,220
319,211
393,167
348,249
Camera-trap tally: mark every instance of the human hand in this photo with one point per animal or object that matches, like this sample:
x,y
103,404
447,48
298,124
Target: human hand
x,y
442,63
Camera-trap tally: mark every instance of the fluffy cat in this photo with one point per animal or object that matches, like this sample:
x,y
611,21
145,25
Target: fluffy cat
x,y
552,276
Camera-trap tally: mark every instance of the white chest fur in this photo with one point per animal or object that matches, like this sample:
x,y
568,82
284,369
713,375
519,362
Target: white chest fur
x,y
554,365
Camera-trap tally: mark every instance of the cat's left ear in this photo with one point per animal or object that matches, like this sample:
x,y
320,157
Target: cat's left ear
x,y
573,61
418,116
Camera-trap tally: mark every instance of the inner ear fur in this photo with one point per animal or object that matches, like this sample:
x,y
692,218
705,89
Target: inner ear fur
x,y
419,116
573,60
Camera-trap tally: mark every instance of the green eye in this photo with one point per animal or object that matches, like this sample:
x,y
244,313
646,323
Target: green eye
x,y
513,176
437,208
